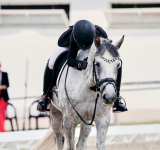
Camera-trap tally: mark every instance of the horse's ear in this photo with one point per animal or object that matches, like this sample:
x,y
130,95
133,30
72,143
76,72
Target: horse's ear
x,y
119,43
97,41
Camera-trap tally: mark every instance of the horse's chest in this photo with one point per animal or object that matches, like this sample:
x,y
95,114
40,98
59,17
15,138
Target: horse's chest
x,y
86,110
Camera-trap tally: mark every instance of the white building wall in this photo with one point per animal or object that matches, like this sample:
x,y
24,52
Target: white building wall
x,y
88,4
88,9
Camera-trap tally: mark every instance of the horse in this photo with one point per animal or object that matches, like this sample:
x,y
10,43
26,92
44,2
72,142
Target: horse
x,y
77,92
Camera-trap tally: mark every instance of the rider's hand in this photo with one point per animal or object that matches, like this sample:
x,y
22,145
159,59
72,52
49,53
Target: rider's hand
x,y
82,65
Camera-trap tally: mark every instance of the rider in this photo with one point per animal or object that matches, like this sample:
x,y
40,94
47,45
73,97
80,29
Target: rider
x,y
79,36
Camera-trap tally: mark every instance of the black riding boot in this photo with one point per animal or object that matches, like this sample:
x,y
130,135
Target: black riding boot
x,y
45,100
118,105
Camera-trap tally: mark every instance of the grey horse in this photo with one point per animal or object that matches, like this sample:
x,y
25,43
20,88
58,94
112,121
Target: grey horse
x,y
103,60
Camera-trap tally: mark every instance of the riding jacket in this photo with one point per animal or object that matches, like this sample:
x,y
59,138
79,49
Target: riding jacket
x,y
67,40
4,81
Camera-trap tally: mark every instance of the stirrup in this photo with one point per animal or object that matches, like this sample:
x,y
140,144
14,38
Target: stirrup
x,y
48,110
124,104
123,99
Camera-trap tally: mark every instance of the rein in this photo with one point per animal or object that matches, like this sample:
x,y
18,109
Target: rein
x,y
74,107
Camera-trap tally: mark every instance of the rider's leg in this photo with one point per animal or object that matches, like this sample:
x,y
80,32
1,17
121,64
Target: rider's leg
x,y
45,100
118,105
47,84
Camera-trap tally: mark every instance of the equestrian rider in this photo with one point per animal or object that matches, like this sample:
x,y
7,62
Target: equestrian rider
x,y
79,36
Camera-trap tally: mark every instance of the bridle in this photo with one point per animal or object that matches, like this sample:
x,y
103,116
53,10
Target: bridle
x,y
107,81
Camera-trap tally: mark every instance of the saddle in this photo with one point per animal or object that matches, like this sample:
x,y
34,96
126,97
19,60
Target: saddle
x,y
61,59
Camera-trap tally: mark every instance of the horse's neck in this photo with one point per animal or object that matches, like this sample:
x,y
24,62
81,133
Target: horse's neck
x,y
87,76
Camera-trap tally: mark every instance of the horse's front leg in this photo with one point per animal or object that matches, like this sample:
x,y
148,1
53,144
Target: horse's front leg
x,y
84,133
56,124
69,129
102,125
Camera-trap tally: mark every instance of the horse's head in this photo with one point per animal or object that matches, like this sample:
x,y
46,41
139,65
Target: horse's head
x,y
106,64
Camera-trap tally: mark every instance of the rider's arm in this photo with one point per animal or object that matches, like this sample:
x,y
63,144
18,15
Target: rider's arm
x,y
72,54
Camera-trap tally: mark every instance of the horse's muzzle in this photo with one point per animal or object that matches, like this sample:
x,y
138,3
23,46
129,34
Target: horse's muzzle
x,y
108,101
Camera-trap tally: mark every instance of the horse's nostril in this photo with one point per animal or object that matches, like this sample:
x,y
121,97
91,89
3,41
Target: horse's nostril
x,y
109,99
113,98
104,97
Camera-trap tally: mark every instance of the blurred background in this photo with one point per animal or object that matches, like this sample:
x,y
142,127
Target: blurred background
x,y
29,30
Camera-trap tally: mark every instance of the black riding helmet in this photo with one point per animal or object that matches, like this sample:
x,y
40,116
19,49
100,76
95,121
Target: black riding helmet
x,y
83,34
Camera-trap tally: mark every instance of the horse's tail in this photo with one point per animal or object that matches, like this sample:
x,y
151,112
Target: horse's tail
x,y
47,143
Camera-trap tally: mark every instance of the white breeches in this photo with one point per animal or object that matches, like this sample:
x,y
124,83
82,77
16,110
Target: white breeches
x,y
57,51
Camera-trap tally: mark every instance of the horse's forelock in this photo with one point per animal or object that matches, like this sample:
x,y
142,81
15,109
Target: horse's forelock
x,y
106,45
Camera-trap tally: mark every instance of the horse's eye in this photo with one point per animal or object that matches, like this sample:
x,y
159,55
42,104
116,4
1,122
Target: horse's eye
x,y
98,64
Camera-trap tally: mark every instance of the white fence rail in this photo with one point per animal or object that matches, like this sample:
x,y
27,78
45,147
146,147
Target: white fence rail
x,y
135,17
53,18
113,132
